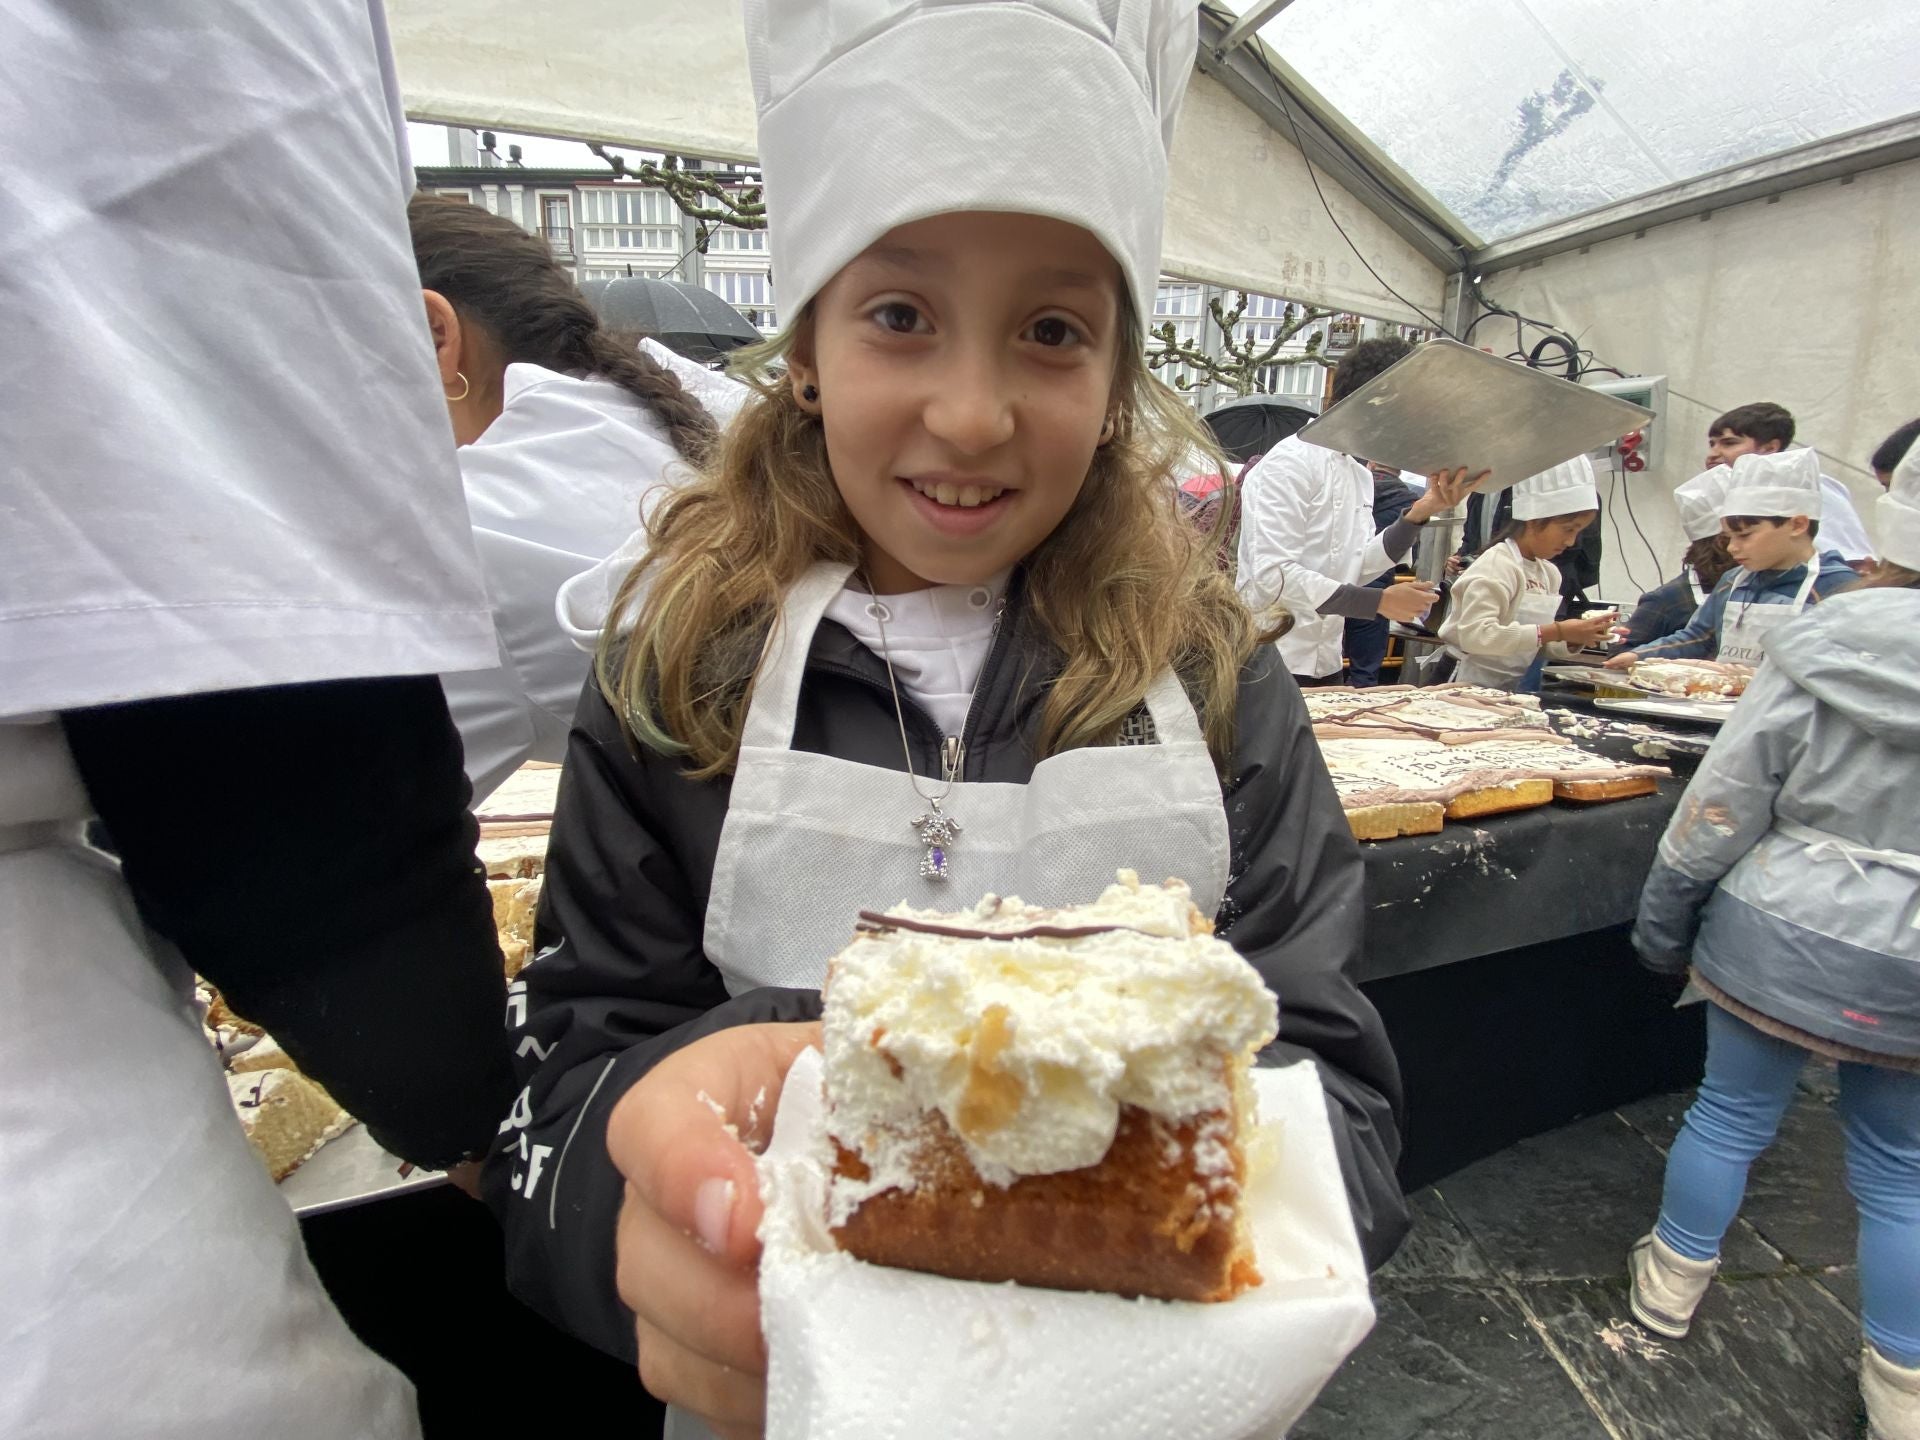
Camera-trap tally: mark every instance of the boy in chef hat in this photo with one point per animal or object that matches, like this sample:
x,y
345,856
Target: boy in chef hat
x,y
1666,608
948,517
1770,516
1503,612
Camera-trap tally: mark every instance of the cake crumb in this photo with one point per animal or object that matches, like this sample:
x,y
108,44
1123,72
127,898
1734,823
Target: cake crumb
x,y
1625,1338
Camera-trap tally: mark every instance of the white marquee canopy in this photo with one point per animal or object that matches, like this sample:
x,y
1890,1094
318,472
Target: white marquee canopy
x,y
1724,194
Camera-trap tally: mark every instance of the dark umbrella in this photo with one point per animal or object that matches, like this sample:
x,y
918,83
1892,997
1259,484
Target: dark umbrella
x,y
1254,424
688,318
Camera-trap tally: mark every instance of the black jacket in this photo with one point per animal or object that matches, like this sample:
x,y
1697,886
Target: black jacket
x,y
1661,611
621,978
308,849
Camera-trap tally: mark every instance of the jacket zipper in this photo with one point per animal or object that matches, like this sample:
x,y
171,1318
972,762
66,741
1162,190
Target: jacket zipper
x,y
908,705
953,748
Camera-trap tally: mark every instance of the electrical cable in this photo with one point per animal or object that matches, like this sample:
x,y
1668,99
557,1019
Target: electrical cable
x,y
1614,481
1652,554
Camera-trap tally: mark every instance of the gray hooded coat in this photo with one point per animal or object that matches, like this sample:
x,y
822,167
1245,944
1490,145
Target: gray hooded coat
x,y
1790,874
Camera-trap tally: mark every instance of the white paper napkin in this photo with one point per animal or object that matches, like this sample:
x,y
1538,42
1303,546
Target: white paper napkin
x,y
863,1352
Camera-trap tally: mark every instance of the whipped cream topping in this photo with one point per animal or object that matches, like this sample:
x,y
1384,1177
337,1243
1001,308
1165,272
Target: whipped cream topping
x,y
1708,679
1029,1045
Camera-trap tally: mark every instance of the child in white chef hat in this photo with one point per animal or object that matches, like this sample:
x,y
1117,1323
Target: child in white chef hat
x,y
1667,607
1770,515
930,626
1503,612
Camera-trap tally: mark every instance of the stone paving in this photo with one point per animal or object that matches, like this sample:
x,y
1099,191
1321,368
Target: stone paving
x,y
1506,1312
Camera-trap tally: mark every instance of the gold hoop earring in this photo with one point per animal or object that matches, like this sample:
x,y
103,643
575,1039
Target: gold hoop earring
x,y
466,388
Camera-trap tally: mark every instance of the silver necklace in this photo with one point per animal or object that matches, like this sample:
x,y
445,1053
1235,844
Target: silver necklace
x,y
936,828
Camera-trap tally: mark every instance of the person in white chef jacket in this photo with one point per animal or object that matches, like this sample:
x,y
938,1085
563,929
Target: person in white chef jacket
x,y
568,437
1307,539
1503,612
233,569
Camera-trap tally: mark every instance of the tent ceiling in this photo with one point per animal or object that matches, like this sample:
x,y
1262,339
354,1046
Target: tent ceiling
x,y
1515,114
1481,133
672,75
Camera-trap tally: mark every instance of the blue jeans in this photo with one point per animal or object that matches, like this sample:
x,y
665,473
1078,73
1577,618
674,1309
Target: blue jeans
x,y
1749,1084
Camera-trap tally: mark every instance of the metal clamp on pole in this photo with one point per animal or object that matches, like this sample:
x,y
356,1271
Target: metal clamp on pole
x,y
1248,24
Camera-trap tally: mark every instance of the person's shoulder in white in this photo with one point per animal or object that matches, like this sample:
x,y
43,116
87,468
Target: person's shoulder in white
x,y
718,391
566,463
1840,526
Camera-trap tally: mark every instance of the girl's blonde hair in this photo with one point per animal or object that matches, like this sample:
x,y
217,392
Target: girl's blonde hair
x,y
1124,586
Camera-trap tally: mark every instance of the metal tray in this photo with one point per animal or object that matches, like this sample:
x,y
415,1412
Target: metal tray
x,y
350,1169
1707,712
1449,404
1603,679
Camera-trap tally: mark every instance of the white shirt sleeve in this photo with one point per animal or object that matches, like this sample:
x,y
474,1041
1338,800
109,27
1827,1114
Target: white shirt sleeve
x,y
228,458
1282,515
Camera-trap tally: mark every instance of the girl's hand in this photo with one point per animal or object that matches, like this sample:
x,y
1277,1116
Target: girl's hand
x,y
1588,629
687,1244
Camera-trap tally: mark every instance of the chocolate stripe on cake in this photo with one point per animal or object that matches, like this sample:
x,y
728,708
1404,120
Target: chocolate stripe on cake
x,y
874,920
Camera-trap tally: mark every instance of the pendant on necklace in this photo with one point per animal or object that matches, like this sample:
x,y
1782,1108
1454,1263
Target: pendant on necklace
x,y
936,833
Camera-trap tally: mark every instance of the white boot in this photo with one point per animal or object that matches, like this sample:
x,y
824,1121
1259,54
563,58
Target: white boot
x,y
1667,1287
1892,1393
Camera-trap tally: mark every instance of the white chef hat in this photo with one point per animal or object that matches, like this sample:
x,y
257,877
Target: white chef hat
x,y
1898,513
876,113
1785,483
1698,501
1566,489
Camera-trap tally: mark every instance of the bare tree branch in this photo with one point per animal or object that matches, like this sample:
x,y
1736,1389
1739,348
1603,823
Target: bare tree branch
x,y
711,204
1242,358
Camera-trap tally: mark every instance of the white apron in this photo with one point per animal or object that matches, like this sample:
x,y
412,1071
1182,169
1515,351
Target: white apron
x,y
152,1281
1504,672
1745,625
811,840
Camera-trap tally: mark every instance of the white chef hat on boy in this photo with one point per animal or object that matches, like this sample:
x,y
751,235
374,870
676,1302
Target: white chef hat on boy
x,y
1566,489
875,113
1785,483
1898,514
1698,501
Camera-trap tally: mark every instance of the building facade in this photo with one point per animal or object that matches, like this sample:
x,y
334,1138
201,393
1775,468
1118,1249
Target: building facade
x,y
604,228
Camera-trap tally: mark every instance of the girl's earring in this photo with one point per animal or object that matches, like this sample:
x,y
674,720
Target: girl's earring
x,y
810,393
466,387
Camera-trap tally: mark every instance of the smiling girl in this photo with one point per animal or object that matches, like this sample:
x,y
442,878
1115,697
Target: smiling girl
x,y
931,626
1502,615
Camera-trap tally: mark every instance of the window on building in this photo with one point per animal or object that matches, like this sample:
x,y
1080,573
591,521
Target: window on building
x,y
728,238
1175,300
628,219
741,288
460,194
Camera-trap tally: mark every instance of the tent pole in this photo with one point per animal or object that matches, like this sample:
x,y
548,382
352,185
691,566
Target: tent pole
x,y
1248,24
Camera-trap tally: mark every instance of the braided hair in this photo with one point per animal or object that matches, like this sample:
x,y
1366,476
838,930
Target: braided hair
x,y
504,280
